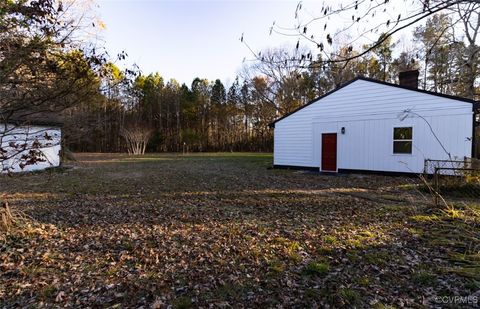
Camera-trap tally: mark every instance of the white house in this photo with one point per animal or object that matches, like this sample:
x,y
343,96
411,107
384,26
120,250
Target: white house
x,y
29,146
372,126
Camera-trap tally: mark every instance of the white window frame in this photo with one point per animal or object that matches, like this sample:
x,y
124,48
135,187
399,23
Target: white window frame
x,y
401,140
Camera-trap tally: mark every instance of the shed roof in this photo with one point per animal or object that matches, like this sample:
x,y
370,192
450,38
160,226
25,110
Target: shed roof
x,y
35,119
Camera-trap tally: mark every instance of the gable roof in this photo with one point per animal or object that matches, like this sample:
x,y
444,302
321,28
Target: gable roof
x,y
38,122
473,102
46,119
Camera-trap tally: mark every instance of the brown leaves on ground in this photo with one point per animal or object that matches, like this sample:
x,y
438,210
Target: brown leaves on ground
x,y
223,230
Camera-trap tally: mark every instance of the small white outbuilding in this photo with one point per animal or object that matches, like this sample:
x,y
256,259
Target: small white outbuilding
x,y
372,126
29,146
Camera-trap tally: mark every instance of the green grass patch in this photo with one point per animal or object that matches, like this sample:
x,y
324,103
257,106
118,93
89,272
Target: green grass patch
x,y
312,294
425,218
48,292
292,252
330,239
325,251
391,197
472,272
424,278
377,258
363,281
473,285
183,302
350,297
470,190
367,234
382,306
276,267
416,232
357,243
229,291
353,256
316,269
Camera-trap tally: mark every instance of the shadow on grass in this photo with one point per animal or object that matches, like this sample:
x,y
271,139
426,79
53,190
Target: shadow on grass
x,y
196,231
256,263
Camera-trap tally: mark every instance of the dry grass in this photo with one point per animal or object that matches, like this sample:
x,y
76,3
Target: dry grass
x,y
6,218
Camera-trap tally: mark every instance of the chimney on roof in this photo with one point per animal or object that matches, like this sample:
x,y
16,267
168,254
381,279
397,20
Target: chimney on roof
x,y
409,79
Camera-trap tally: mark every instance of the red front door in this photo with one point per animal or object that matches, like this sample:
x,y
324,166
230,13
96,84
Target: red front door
x,y
329,152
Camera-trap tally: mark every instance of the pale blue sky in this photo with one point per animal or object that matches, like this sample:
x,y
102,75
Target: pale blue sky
x,y
186,39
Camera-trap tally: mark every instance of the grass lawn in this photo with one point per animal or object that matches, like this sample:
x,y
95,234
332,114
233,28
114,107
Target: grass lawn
x,y
225,230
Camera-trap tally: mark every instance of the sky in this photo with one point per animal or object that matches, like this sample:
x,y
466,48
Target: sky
x,y
185,39
188,39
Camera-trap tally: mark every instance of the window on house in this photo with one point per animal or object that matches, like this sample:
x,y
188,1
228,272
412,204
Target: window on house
x,y
402,140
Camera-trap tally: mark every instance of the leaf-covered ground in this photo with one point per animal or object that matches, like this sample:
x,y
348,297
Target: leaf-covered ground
x,y
223,230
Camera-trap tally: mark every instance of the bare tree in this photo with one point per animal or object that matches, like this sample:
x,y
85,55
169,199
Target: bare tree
x,y
277,66
136,137
44,69
469,17
374,21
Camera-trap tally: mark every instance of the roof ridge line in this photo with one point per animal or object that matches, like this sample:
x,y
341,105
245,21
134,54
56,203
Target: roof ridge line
x,y
368,79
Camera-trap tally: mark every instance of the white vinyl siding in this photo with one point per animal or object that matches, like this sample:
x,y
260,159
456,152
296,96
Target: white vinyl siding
x,y
369,111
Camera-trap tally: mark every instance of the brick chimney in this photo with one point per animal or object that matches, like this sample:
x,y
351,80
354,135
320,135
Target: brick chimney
x,y
409,79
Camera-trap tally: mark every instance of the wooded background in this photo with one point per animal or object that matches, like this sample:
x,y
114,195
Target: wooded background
x,y
45,66
210,116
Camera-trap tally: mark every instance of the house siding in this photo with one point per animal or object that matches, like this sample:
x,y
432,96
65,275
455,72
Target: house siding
x,y
369,111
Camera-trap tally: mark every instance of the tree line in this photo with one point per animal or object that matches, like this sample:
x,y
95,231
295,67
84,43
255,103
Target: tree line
x,y
46,68
210,116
